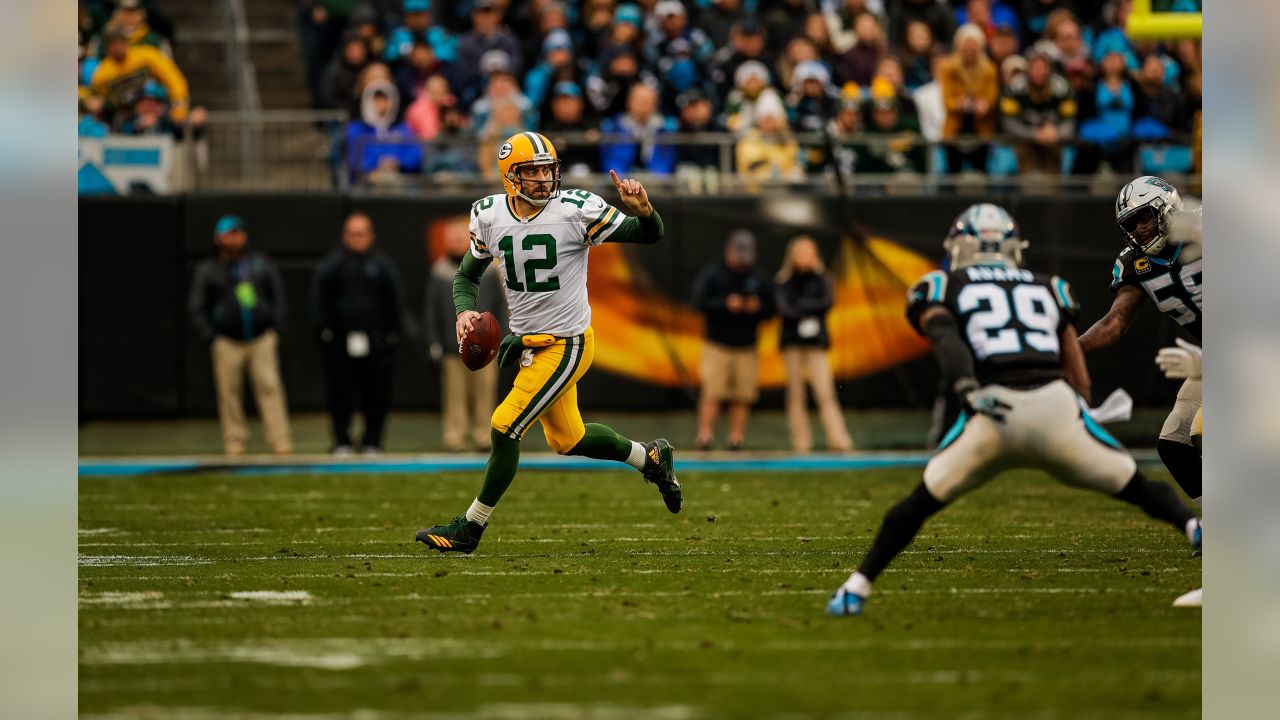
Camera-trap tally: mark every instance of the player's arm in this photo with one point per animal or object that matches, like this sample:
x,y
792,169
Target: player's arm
x,y
1124,309
646,227
1073,365
949,349
466,282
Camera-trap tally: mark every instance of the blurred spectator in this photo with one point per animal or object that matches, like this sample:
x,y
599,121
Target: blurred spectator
x,y
467,398
734,298
970,88
1108,132
751,87
364,23
816,30
988,16
810,104
121,75
626,32
338,84
799,50
569,115
719,19
619,71
374,72
858,65
557,64
931,107
321,27
1113,38
151,115
596,23
423,116
1004,45
419,27
1065,44
237,305
895,145
504,120
805,295
130,18
840,16
502,90
378,148
644,125
768,150
746,44
455,154
1039,112
890,71
917,55
1158,106
1035,13
679,53
697,115
413,71
846,130
356,307
540,19
487,33
785,20
90,122
932,12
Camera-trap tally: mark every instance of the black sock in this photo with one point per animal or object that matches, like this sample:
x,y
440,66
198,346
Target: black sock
x,y
899,528
1158,500
1184,464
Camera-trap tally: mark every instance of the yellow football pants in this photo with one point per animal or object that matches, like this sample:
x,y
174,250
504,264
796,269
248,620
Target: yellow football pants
x,y
546,391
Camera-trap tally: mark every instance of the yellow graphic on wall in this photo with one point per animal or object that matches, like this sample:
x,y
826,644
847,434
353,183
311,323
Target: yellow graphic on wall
x,y
644,334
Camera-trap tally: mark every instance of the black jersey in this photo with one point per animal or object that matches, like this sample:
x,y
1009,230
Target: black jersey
x,y
1010,318
1171,279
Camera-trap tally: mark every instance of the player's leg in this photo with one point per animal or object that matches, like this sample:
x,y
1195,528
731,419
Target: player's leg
x,y
535,388
1176,447
568,435
797,414
968,457
1079,451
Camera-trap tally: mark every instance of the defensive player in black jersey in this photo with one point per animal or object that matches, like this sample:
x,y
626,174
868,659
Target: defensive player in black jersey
x,y
1170,273
1005,340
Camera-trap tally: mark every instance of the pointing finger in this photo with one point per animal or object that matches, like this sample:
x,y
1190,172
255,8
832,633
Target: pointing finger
x,y
616,181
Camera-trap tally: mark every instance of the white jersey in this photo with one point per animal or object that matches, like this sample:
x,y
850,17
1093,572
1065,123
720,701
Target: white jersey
x,y
544,257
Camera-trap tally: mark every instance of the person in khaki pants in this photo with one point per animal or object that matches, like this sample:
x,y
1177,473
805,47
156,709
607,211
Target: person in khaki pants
x,y
237,304
805,296
467,398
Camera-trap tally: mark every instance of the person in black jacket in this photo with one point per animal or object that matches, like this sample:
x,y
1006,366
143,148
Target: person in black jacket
x,y
735,298
805,295
237,305
356,302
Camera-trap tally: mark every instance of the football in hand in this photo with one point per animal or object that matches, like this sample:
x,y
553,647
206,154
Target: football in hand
x,y
480,346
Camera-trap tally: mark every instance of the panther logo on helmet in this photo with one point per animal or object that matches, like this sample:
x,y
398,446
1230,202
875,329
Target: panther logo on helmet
x,y
1143,210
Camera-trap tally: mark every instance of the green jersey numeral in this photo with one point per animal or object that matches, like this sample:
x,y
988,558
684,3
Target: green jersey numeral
x,y
531,264
481,204
581,195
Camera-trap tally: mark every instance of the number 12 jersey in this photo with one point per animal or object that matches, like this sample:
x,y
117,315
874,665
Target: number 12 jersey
x,y
1010,318
544,257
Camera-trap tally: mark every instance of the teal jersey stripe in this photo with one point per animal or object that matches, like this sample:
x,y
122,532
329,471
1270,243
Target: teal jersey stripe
x,y
954,432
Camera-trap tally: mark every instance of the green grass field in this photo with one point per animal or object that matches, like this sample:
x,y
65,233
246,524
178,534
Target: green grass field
x,y
588,600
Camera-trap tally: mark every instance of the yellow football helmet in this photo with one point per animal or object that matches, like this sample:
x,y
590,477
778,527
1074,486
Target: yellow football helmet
x,y
527,148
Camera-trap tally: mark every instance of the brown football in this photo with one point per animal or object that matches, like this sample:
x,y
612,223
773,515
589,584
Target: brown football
x,y
480,346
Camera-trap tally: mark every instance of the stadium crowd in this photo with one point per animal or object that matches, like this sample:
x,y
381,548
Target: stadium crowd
x,y
608,80
128,83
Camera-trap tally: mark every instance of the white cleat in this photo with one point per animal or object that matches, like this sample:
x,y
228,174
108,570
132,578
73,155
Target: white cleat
x,y
1192,599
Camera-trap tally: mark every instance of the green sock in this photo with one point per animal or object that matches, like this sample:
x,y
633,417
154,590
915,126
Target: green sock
x,y
602,443
504,457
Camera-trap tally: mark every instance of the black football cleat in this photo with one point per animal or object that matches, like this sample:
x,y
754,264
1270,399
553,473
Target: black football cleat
x,y
457,535
659,469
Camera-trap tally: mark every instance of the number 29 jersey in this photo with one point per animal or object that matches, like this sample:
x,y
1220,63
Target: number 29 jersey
x,y
544,257
1009,317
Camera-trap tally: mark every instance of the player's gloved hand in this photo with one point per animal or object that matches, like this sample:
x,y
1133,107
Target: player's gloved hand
x,y
1181,362
509,350
980,401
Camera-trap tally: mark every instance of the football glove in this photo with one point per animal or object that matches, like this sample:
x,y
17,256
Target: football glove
x,y
980,401
1186,361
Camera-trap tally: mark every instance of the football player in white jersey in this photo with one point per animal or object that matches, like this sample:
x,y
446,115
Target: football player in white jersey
x,y
541,235
1156,265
